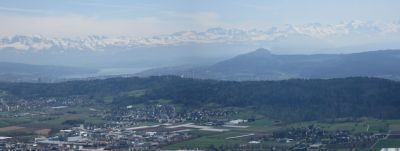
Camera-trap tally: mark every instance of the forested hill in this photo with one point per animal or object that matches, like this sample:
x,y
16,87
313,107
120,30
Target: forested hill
x,y
288,99
261,64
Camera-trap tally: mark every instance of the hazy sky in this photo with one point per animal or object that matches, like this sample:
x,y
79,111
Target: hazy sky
x,y
147,18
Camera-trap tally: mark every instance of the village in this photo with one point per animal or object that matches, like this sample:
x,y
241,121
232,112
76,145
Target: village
x,y
166,127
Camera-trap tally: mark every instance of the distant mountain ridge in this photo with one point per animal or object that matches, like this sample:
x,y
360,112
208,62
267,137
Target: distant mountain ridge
x,y
263,65
196,47
213,35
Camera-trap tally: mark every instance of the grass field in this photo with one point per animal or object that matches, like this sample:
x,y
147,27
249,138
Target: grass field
x,y
263,125
135,93
388,143
367,125
267,126
41,123
208,140
12,121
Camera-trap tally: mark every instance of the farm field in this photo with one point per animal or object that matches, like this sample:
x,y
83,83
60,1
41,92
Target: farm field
x,y
40,123
266,127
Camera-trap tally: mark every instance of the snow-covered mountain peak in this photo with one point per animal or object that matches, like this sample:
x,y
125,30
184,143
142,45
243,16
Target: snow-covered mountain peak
x,y
212,35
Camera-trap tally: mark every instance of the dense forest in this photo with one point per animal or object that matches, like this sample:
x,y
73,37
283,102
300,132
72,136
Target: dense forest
x,y
297,99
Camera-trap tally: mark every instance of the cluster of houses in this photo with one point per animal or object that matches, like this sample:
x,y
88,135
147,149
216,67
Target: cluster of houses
x,y
158,113
90,138
15,104
315,138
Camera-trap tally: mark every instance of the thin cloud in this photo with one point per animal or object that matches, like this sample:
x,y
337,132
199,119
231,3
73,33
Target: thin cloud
x,y
22,10
108,5
78,25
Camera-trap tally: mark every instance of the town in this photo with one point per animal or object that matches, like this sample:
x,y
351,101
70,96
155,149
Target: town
x,y
164,126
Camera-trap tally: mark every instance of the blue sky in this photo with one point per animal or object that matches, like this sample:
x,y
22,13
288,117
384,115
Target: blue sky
x,y
152,17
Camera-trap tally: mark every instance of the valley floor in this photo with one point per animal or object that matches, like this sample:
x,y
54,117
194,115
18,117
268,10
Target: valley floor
x,y
94,127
